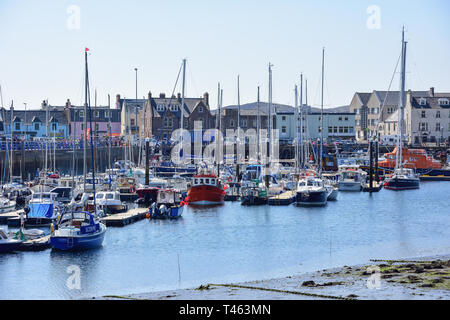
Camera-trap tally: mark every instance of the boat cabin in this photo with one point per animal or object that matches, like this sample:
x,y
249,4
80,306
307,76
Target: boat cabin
x,y
207,180
108,196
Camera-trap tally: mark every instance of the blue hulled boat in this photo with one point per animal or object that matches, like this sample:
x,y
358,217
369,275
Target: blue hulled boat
x,y
78,231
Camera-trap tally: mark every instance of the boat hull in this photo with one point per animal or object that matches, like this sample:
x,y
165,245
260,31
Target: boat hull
x,y
9,246
78,242
314,198
253,200
205,195
402,184
349,186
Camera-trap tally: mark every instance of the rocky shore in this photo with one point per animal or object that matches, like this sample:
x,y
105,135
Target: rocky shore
x,y
378,279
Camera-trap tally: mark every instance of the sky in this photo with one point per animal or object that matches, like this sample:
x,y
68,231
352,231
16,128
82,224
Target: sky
x,y
42,48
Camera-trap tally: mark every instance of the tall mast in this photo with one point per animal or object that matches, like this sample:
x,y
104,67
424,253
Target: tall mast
x,y
300,134
258,127
399,163
91,139
267,166
12,153
182,104
306,149
321,113
86,83
296,127
238,126
109,129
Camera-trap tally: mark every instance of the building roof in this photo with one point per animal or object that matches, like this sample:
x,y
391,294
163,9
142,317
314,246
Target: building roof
x,y
363,97
30,115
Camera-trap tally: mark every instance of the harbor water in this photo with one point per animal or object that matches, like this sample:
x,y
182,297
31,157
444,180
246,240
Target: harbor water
x,y
232,243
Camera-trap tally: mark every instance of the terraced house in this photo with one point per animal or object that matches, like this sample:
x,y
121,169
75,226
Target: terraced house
x,y
162,115
33,123
372,109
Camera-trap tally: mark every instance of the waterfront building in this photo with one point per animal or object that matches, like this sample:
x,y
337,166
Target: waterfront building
x,y
338,125
371,109
162,115
32,123
105,121
131,115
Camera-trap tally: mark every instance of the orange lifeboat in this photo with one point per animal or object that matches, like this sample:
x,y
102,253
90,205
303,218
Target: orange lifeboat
x,y
412,158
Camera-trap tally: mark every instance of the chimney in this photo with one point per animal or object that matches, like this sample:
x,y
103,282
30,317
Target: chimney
x,y
149,95
431,93
162,95
179,96
117,101
206,98
43,104
68,103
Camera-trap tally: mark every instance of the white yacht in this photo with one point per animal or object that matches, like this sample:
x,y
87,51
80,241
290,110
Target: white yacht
x,y
351,178
311,191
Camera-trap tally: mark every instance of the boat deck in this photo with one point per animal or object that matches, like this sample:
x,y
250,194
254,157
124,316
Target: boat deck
x,y
36,244
282,199
4,217
124,218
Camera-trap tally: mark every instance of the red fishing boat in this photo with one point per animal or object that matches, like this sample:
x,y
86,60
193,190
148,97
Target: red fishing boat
x,y
206,189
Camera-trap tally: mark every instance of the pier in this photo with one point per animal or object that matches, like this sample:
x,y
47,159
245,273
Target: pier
x,y
283,199
122,219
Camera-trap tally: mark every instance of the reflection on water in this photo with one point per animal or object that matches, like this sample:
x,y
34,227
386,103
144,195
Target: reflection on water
x,y
232,243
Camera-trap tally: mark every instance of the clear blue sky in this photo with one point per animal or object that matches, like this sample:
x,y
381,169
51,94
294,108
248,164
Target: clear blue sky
x,y
41,58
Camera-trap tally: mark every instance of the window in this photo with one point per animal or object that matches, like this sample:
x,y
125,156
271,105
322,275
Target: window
x,y
438,114
17,126
357,111
107,114
173,107
231,123
283,129
206,181
423,114
283,118
345,129
422,101
132,122
81,113
96,113
96,127
160,107
319,129
443,102
341,129
350,129
340,118
82,127
54,126
244,123
346,118
423,126
168,122
200,109
330,129
438,126
36,126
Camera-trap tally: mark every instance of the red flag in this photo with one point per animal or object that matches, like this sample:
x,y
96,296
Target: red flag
x,y
86,49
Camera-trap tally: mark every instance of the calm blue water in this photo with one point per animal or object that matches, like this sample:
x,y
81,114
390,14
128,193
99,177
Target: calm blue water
x,y
233,243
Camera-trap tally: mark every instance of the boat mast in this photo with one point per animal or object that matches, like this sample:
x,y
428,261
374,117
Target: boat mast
x,y
238,127
306,149
300,134
182,106
86,81
258,127
91,139
219,116
267,167
296,128
12,153
321,115
399,156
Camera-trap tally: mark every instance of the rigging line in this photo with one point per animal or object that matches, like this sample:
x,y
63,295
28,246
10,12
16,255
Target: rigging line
x,y
385,97
193,83
170,100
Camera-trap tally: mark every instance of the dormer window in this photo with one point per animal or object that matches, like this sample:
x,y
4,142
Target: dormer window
x,y
160,107
200,109
81,114
422,101
173,107
443,102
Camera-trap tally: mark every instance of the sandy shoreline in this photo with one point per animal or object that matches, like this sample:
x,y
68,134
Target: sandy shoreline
x,y
419,278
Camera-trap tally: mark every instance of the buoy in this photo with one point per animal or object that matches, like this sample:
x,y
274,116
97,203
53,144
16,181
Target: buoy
x,y
52,227
147,215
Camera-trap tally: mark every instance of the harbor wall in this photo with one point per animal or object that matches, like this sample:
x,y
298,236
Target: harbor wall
x,y
27,162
